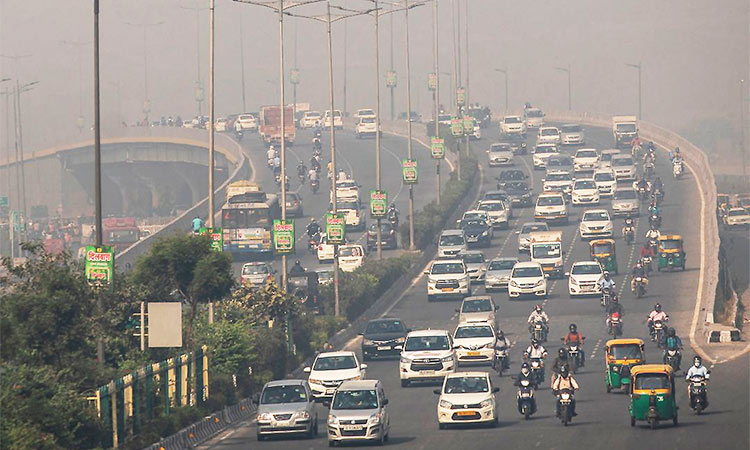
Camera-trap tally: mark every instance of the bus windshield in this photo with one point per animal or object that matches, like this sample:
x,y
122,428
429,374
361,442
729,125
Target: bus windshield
x,y
245,218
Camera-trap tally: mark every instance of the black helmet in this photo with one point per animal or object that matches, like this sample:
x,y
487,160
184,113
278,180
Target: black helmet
x,y
657,307
534,342
297,263
500,334
606,275
614,298
525,367
671,332
564,371
697,361
561,352
573,328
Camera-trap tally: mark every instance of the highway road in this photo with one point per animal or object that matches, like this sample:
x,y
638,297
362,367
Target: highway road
x,y
603,420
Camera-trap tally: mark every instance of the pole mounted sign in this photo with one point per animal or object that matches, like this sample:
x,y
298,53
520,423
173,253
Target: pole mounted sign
x,y
283,236
99,265
378,204
335,228
409,171
3,201
390,79
460,96
437,147
294,76
217,237
468,124
457,127
432,81
19,221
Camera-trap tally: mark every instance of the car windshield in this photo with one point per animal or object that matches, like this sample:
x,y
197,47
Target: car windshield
x,y
366,112
555,161
622,162
652,381
495,196
424,343
512,175
445,268
670,244
517,186
500,148
350,251
502,265
534,227
550,132
444,117
595,215
558,177
473,215
571,128
466,385
385,326
626,127
607,156
604,176
627,351
473,258
346,205
474,223
473,331
346,185
335,363
452,239
586,269
255,269
550,201
586,154
385,227
585,184
478,305
545,149
737,212
493,206
527,272
627,194
367,120
294,393
512,120
315,115
551,250
534,113
364,399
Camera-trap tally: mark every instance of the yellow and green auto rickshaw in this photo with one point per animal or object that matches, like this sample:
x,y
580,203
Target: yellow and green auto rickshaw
x,y
652,394
621,355
603,250
670,252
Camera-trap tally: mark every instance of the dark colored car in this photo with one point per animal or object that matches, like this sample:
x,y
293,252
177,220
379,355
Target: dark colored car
x,y
387,236
293,204
559,162
478,232
383,337
519,192
510,175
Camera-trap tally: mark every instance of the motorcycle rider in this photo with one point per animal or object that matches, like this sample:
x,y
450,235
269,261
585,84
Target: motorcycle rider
x,y
646,251
502,342
538,315
614,307
653,233
270,153
297,268
607,282
392,214
673,154
654,209
654,315
197,224
313,228
673,342
574,338
696,370
638,271
658,184
560,361
535,350
565,381
276,165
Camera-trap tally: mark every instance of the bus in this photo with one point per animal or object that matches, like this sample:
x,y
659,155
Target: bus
x,y
247,221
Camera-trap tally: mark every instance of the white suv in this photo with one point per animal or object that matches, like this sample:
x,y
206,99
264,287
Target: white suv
x,y
595,223
467,397
247,122
310,119
427,355
583,278
474,342
497,211
513,125
584,192
623,166
330,369
542,153
338,119
366,127
448,278
362,113
451,242
534,117
527,278
606,182
548,135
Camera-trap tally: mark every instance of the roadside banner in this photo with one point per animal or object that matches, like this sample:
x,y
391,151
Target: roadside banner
x,y
99,265
431,81
460,96
437,147
468,124
390,79
457,127
378,204
283,236
335,228
217,237
409,170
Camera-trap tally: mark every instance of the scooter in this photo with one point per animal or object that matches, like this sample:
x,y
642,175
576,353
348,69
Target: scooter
x,y
629,234
671,357
537,370
606,297
698,393
574,355
657,332
565,406
677,169
538,332
314,186
525,399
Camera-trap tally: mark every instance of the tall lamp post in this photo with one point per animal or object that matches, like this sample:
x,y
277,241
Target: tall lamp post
x,y
567,70
198,85
78,45
98,173
743,144
505,73
146,101
640,68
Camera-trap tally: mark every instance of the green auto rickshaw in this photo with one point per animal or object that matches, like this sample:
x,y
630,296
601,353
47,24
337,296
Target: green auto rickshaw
x,y
652,394
670,252
603,250
621,355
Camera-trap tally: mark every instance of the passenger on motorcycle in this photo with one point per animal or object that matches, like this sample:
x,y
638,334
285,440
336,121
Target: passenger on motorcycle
x,y
538,315
607,282
574,338
674,154
653,233
638,271
535,350
565,381
312,174
560,361
270,153
673,342
654,315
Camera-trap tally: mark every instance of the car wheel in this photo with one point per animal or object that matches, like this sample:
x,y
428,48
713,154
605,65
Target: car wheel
x,y
442,426
404,383
430,298
261,437
331,443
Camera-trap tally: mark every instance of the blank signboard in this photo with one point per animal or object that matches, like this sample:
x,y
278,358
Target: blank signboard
x,y
165,324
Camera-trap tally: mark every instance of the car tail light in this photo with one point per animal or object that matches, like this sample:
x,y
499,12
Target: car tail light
x,y
320,247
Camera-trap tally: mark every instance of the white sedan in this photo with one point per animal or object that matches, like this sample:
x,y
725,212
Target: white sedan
x,y
585,192
467,397
330,369
583,278
595,223
474,343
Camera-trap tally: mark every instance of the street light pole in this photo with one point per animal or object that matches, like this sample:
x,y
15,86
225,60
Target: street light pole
x,y
743,144
505,73
378,186
146,101
639,67
98,169
563,69
408,126
436,94
242,62
282,102
198,86
468,71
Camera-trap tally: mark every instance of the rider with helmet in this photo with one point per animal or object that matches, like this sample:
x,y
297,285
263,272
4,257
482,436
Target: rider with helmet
x,y
297,268
673,342
607,282
654,315
565,381
575,338
313,228
560,361
538,315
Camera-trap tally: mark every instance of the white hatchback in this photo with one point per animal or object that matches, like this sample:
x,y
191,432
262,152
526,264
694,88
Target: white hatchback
x,y
595,223
584,192
474,343
585,159
330,369
527,278
583,278
467,397
606,182
351,257
497,211
542,153
548,135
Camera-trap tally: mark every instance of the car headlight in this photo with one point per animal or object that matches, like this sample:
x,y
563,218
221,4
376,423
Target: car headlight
x,y
314,381
448,358
374,419
401,340
264,417
303,414
405,360
446,404
355,378
367,342
539,283
486,233
558,264
332,419
573,281
513,283
486,403
608,226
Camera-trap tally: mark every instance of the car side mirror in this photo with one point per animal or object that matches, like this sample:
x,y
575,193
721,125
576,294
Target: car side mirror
x,y
544,180
426,272
496,307
306,370
495,390
567,274
436,391
361,334
456,309
518,232
327,403
385,401
546,275
363,366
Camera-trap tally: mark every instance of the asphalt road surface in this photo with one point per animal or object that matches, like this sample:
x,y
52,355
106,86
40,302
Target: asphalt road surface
x,y
603,420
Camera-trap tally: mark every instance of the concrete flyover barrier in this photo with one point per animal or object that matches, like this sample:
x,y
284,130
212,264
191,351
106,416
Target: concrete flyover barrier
x,y
697,162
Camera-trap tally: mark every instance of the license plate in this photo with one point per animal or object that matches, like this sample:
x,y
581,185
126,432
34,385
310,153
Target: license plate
x,y
330,391
466,413
352,427
446,289
383,347
427,372
472,353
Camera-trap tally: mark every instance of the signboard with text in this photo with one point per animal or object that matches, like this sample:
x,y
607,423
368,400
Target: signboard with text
x,y
409,170
437,147
390,79
457,127
460,96
99,265
378,204
283,236
217,237
335,228
468,124
432,81
294,76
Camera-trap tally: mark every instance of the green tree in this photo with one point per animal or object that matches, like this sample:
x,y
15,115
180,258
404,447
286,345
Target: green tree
x,y
185,265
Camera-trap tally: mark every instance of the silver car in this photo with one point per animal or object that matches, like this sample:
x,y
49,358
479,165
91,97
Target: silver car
x,y
256,274
287,407
451,242
358,413
479,308
526,229
625,202
498,272
475,264
572,134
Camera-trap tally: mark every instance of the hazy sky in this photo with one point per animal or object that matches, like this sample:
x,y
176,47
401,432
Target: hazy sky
x,y
693,53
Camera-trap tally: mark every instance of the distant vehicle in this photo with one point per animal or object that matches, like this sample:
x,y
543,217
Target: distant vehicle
x,y
478,231
294,204
338,119
558,181
351,257
508,175
605,159
247,218
527,279
270,124
330,369
248,122
500,154
352,211
365,113
428,355
482,115
624,130
366,127
519,192
475,264
626,202
311,119
513,125
498,213
479,308
545,247
450,243
120,232
584,277
606,182
551,206
447,279
347,189
525,232
497,275
387,236
559,162
221,125
595,223
737,218
548,135
474,342
325,250
542,152
585,159
256,274
572,134
286,398
415,116
624,167
584,192
534,117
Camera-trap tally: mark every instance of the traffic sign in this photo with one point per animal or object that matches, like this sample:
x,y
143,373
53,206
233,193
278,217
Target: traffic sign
x,y
468,123
437,147
409,170
294,76
283,236
19,221
217,237
390,79
335,228
431,81
457,127
378,204
460,96
99,265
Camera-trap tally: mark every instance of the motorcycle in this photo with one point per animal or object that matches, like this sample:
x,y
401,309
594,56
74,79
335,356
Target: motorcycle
x,y
393,219
238,134
654,244
302,178
525,399
317,145
671,358
314,186
565,406
574,355
537,370
313,242
657,332
500,361
629,234
539,332
614,325
636,151
639,287
606,296
677,169
654,220
646,262
648,169
658,195
698,393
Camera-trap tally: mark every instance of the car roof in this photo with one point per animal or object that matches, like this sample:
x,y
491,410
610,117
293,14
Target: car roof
x,y
504,259
597,210
255,263
474,324
333,354
444,261
587,263
475,211
285,383
428,332
355,385
385,319
475,373
558,172
551,194
452,232
534,223
477,297
524,264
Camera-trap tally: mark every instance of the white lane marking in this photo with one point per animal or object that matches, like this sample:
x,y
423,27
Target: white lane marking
x,y
630,259
231,432
596,348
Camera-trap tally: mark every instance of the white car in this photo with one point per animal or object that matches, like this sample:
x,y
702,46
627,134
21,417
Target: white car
x,y
325,250
330,369
623,166
467,397
595,223
362,113
500,155
338,119
366,127
447,278
605,157
351,257
347,190
558,181
548,135
474,342
583,278
527,278
625,202
247,122
585,159
524,234
513,125
353,217
427,355
551,206
606,182
480,308
572,134
542,153
220,125
450,243
497,211
310,119
584,192
534,117
737,218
